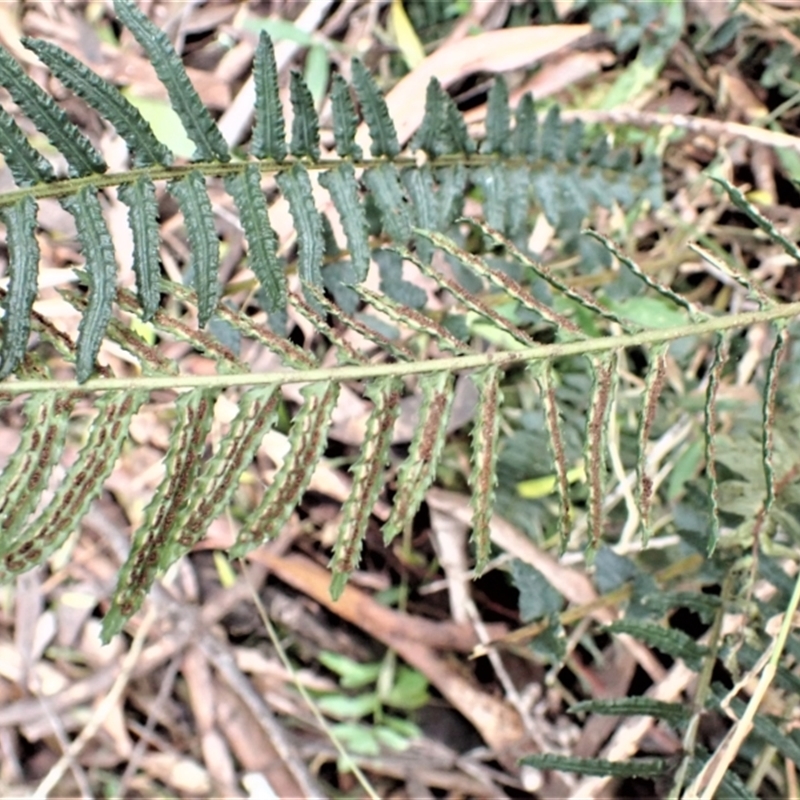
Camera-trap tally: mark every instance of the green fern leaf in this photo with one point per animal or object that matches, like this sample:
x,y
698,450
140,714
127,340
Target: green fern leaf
x,y
419,184
418,470
494,185
23,270
376,113
343,189
671,713
573,141
503,329
82,484
654,383
431,136
766,225
410,318
392,348
768,412
262,243
195,205
633,768
384,184
485,443
542,374
201,341
305,123
307,440
106,99
721,343
219,478
450,197
345,120
27,165
545,188
296,186
442,130
82,157
502,281
166,511
525,136
288,352
604,373
269,133
671,641
367,475
551,145
770,732
498,119
193,114
25,476
98,250
140,197
579,295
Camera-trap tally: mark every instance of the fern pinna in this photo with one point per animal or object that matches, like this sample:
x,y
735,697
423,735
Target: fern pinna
x,y
397,208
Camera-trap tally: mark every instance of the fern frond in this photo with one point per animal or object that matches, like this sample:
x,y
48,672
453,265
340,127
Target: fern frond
x,y
140,197
484,458
246,191
23,266
79,152
190,192
194,116
367,473
269,132
306,442
98,250
103,97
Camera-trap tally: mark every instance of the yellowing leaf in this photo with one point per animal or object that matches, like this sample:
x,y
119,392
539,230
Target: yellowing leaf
x,y
407,40
536,488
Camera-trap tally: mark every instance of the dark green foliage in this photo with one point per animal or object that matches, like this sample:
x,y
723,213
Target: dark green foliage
x,y
376,114
23,262
198,215
124,116
269,133
27,165
262,243
634,768
140,197
82,157
296,185
194,116
100,277
384,197
305,125
344,119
